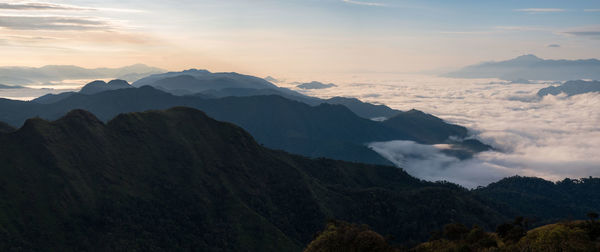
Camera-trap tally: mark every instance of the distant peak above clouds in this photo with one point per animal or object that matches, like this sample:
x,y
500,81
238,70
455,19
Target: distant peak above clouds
x,y
571,88
316,85
531,67
527,58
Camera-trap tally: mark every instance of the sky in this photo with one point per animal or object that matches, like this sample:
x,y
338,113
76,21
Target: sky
x,y
295,37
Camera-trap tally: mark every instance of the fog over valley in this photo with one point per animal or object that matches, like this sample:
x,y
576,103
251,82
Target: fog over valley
x,y
552,137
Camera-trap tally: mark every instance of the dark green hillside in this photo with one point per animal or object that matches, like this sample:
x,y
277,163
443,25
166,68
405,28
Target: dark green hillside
x,y
5,128
545,201
178,179
429,129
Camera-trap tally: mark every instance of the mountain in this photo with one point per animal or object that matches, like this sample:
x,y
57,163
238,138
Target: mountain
x,y
90,88
52,98
433,130
272,79
195,81
101,86
316,85
571,88
530,67
5,128
426,127
203,82
363,109
179,180
545,201
324,130
32,75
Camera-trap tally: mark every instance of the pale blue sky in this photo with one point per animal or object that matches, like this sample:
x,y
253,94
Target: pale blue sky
x,y
295,36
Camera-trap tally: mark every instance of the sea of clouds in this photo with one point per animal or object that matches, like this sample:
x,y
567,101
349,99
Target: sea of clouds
x,y
553,137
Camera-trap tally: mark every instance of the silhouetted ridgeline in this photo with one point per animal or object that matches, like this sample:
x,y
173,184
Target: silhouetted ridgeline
x,y
178,179
530,67
33,75
324,130
571,88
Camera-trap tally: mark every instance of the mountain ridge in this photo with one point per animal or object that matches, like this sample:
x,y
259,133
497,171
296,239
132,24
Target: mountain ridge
x,y
179,179
275,121
530,67
571,88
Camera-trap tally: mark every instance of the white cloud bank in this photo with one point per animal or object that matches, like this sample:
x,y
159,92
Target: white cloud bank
x,y
552,137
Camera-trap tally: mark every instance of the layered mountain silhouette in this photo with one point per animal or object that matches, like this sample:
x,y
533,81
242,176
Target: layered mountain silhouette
x,y
325,130
32,75
101,86
179,180
530,67
571,88
195,81
90,88
207,84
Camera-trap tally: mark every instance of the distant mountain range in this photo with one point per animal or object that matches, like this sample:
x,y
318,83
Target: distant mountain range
x,y
325,130
530,67
90,88
32,75
179,180
195,81
571,88
202,83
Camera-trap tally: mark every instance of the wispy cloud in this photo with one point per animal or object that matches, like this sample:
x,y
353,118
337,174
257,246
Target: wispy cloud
x,y
584,33
522,28
588,31
592,10
540,10
39,6
52,23
364,3
554,45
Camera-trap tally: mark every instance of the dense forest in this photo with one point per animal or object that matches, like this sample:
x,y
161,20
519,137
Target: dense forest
x,y
583,235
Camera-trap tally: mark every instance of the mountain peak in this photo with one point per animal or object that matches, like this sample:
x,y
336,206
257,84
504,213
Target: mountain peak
x,y
118,83
100,86
196,71
80,116
528,57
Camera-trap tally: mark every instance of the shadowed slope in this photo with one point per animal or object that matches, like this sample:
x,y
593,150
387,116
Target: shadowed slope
x,y
178,179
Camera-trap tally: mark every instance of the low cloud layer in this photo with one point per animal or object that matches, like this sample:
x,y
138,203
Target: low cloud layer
x,y
429,163
553,137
